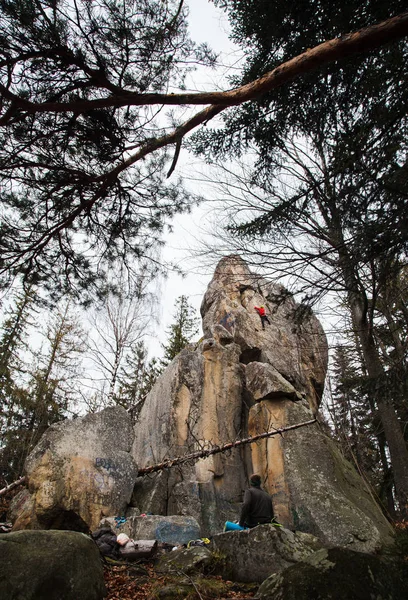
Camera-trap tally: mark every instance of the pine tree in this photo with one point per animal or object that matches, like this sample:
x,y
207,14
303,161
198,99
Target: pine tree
x,y
326,200
13,345
46,393
137,379
181,331
73,200
356,425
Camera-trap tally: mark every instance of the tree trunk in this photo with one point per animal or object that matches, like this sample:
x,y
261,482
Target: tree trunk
x,y
391,425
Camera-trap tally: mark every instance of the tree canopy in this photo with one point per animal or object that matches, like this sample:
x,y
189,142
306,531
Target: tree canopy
x,y
66,213
81,164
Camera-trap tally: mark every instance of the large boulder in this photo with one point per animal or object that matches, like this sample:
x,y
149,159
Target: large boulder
x,y
339,574
294,343
241,380
253,555
196,403
81,471
50,565
184,560
314,489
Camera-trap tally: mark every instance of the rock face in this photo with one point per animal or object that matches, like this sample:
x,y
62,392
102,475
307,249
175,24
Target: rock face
x,y
187,560
339,574
80,471
293,346
242,380
50,565
255,554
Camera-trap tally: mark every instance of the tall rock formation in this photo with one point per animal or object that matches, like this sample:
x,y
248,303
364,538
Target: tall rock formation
x,y
239,380
242,380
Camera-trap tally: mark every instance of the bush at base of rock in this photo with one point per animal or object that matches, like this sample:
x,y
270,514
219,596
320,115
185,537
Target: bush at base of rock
x,y
50,565
339,574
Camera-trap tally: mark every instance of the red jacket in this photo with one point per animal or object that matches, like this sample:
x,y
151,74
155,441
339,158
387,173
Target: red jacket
x,y
260,310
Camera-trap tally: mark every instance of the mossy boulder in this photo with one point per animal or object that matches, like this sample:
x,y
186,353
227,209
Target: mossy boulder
x,y
185,560
50,565
339,574
253,555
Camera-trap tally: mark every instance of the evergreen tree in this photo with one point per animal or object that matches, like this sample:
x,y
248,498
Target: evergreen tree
x,y
13,395
46,394
137,378
181,331
356,424
72,203
88,187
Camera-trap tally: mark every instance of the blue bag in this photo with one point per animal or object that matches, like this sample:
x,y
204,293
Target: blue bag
x,y
230,526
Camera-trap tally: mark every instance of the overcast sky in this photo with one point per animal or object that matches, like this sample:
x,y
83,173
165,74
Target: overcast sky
x,y
207,24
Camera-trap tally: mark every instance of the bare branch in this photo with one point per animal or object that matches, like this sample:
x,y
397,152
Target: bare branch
x,y
13,485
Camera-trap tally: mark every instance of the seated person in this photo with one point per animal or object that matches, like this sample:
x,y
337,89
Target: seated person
x,y
257,508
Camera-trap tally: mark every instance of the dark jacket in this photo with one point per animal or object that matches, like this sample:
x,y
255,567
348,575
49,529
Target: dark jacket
x,y
257,508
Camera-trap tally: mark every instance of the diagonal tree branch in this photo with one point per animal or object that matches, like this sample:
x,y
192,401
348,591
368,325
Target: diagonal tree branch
x,y
361,41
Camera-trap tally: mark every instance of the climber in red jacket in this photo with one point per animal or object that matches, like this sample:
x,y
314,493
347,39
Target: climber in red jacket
x,y
261,312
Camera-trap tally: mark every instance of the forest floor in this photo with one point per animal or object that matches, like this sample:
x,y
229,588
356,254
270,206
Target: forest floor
x,y
141,582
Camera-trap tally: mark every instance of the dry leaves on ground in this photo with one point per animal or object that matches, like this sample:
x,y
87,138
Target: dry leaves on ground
x,y
141,582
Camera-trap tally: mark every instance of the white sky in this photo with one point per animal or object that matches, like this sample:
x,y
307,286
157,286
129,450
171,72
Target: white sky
x,y
207,24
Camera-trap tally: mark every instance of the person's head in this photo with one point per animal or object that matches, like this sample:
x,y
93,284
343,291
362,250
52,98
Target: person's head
x,y
262,306
255,480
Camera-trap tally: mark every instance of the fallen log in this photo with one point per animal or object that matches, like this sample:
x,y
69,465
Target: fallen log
x,y
172,462
10,487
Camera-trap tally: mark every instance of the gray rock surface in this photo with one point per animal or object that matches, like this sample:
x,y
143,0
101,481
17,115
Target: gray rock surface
x,y
80,471
172,529
253,555
339,574
50,565
296,348
314,489
185,560
197,402
240,381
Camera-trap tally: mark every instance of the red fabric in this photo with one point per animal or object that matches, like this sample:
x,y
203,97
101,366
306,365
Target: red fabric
x,y
260,310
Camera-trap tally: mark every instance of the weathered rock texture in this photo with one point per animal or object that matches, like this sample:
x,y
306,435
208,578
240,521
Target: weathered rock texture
x,y
50,565
293,345
185,560
242,380
255,554
80,471
239,380
339,574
